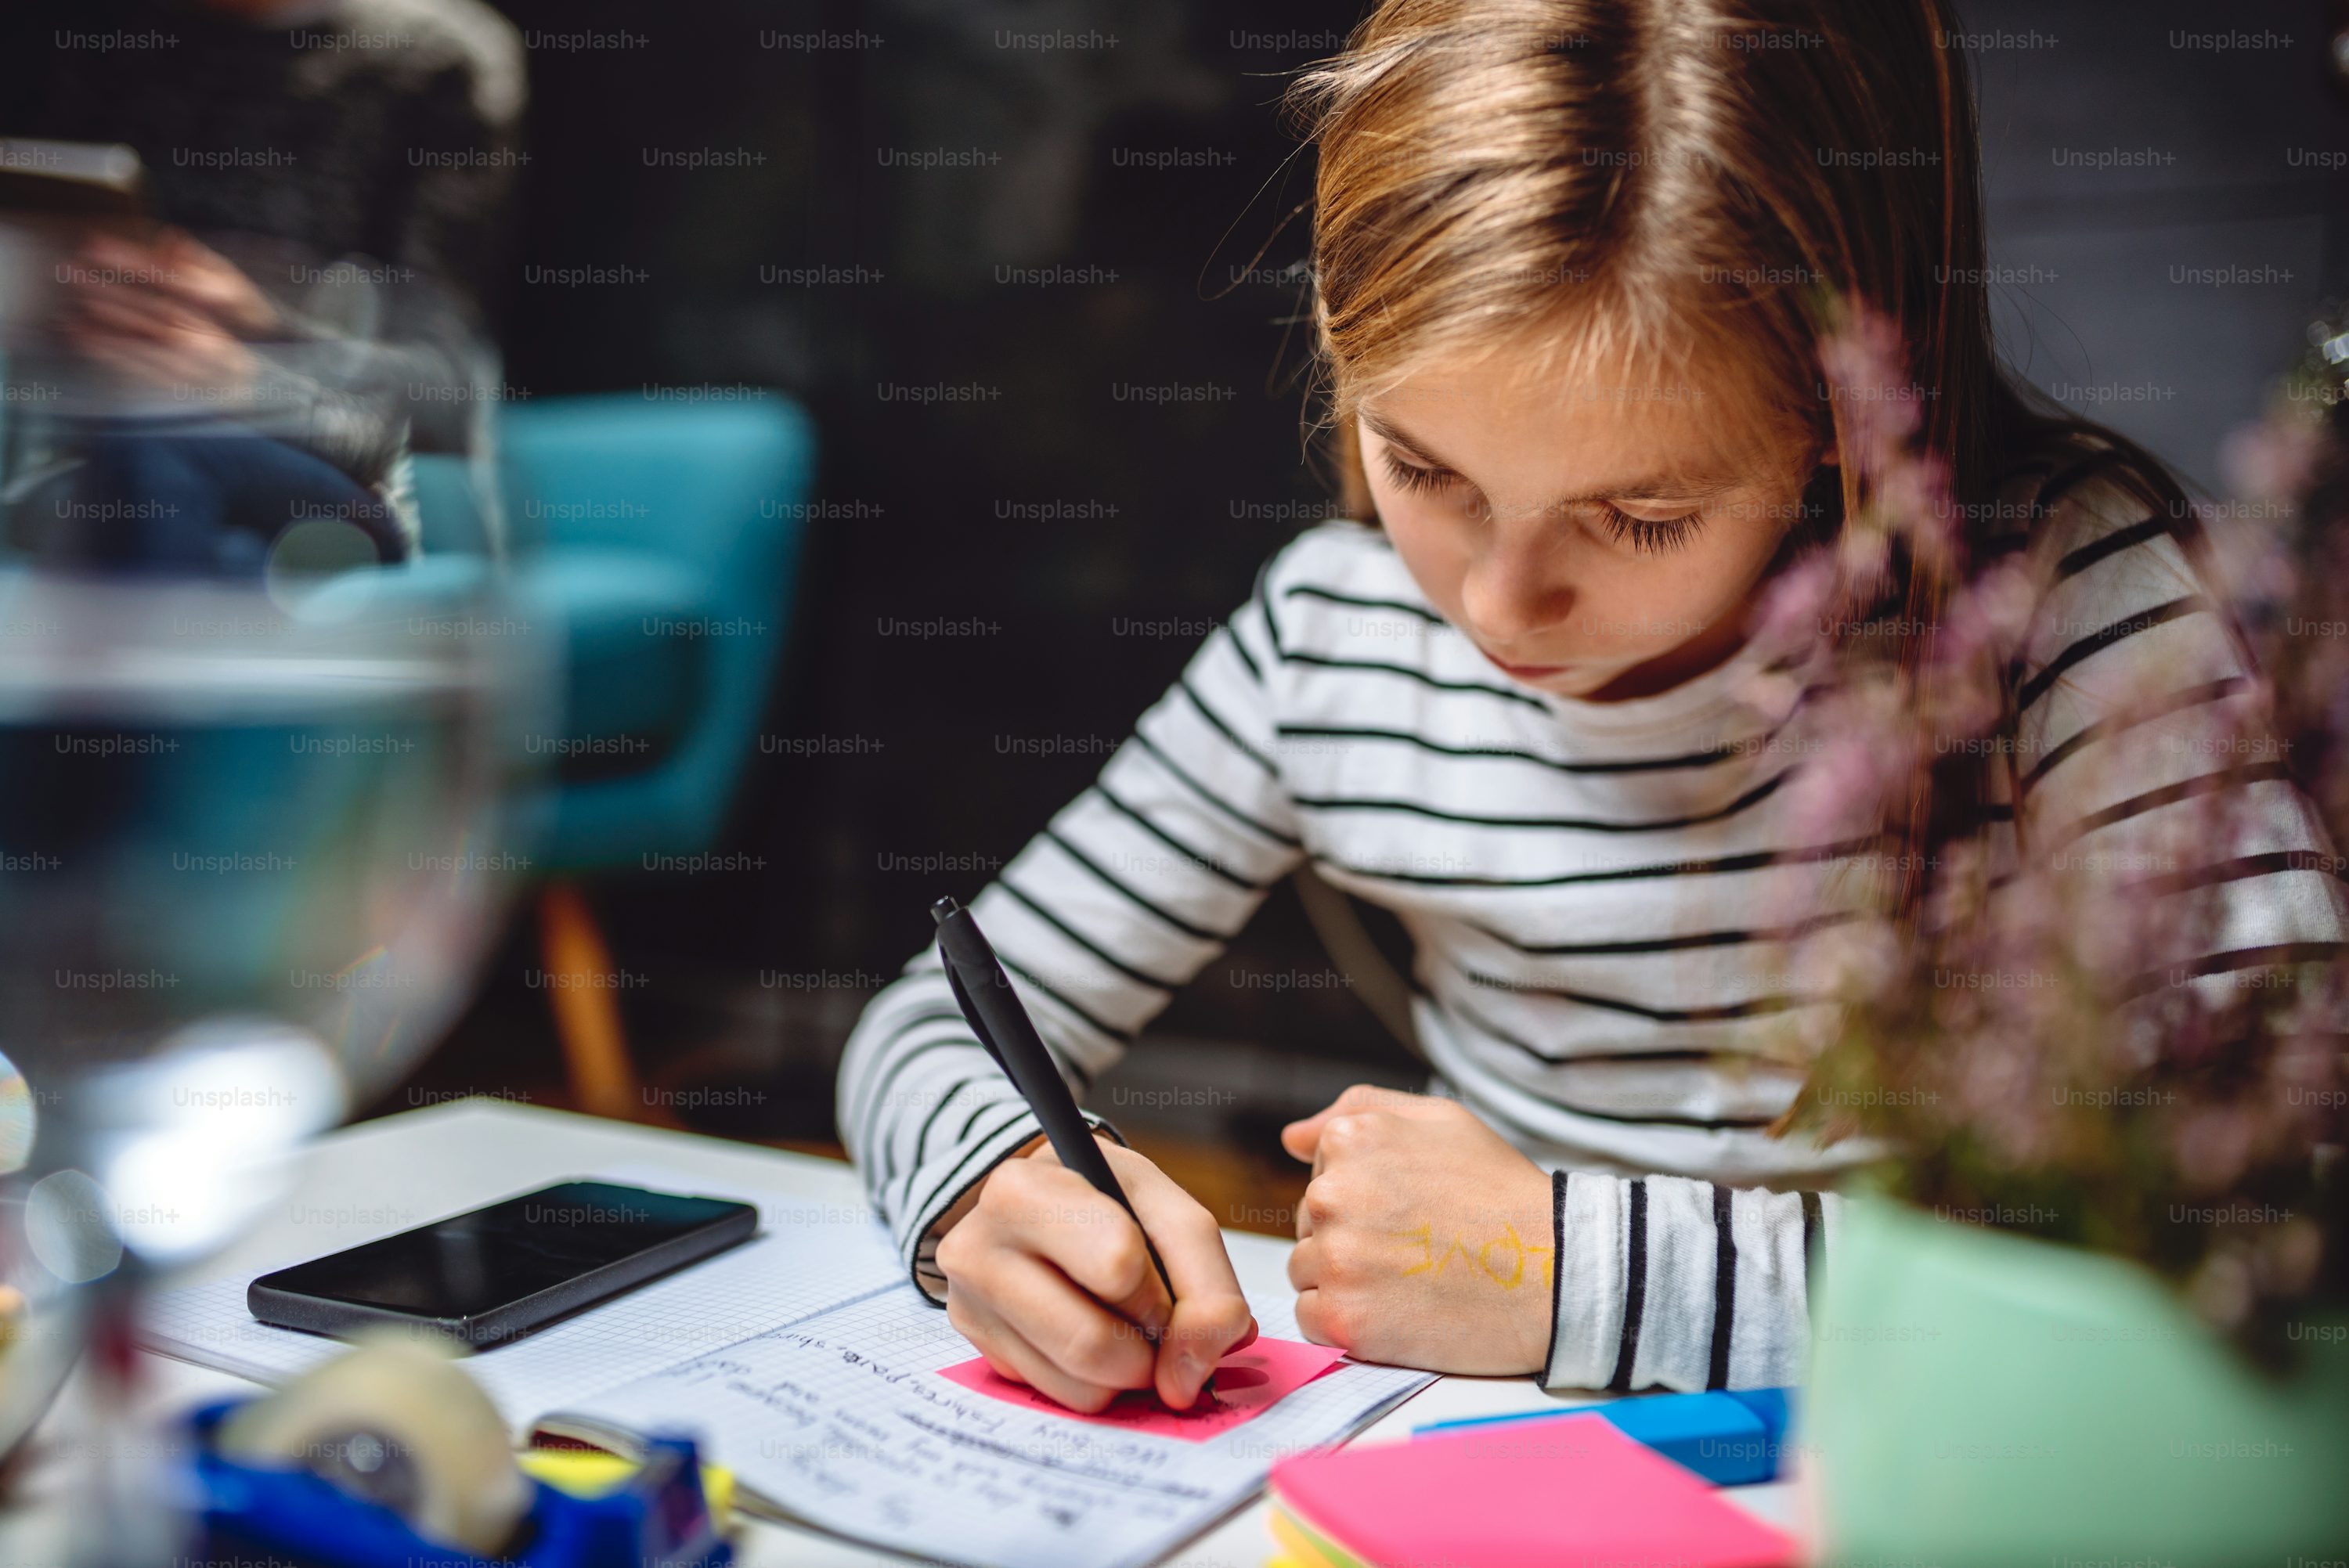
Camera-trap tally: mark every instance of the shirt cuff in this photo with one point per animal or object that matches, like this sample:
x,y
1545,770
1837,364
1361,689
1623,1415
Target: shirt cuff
x,y
920,1244
1587,1293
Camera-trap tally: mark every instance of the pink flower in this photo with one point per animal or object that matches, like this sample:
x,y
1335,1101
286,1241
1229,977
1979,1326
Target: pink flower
x,y
1865,749
2086,950
1988,614
2274,459
1863,556
1794,604
2213,1145
1912,494
1858,961
1866,364
2252,565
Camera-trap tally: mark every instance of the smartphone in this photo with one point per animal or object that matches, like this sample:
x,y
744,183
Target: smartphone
x,y
499,1272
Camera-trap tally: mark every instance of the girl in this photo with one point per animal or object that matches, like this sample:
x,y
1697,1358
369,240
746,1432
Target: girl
x,y
1573,263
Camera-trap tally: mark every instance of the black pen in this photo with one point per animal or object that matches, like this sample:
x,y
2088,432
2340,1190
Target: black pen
x,y
993,1011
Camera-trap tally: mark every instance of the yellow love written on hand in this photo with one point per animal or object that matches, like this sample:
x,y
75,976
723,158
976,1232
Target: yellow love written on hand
x,y
1511,1246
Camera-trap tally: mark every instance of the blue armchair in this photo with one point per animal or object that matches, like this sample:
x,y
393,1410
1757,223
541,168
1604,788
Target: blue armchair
x,y
664,537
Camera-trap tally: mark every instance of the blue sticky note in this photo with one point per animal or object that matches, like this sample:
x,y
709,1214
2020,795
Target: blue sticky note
x,y
1774,1408
1730,1439
1710,1433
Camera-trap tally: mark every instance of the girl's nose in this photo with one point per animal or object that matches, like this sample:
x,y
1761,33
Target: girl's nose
x,y
1514,592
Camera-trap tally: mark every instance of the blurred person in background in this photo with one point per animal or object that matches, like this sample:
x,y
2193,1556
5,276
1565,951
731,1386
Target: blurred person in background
x,y
306,297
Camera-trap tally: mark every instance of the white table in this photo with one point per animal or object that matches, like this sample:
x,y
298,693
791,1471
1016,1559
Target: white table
x,y
388,1175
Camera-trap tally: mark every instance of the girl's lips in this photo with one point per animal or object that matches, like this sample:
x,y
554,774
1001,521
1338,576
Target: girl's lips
x,y
1529,671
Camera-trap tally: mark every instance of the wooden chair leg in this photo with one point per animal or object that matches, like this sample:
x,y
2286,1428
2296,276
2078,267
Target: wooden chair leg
x,y
583,989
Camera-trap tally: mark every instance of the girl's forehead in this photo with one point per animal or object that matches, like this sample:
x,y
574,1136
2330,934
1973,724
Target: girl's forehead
x,y
1583,365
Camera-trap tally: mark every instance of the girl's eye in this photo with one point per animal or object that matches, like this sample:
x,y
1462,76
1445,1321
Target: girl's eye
x,y
1652,536
1648,536
1411,477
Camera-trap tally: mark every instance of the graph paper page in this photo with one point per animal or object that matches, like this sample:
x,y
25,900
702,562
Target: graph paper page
x,y
842,1420
806,1257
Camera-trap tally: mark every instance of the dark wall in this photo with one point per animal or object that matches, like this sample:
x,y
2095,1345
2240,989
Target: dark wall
x,y
2168,201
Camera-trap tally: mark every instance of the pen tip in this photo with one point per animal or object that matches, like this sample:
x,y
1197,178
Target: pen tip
x,y
943,908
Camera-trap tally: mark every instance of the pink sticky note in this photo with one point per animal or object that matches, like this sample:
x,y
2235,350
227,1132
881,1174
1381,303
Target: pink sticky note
x,y
1573,1492
1248,1383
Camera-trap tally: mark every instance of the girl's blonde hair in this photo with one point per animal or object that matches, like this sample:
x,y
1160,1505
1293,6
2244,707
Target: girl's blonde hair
x,y
1663,178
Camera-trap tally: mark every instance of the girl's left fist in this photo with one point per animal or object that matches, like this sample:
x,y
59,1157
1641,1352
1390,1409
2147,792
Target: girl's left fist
x,y
1423,1237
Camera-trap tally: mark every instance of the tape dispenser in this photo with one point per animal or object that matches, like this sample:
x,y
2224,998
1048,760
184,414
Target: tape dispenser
x,y
389,1455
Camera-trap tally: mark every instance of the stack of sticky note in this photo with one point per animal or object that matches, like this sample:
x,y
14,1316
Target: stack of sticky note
x,y
1557,1493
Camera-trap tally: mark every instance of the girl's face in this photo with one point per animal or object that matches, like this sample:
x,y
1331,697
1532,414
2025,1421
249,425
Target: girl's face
x,y
1595,540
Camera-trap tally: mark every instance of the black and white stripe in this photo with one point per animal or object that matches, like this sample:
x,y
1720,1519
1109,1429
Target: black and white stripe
x,y
1608,902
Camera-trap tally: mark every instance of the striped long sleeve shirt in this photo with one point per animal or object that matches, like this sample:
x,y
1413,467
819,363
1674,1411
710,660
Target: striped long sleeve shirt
x,y
1606,970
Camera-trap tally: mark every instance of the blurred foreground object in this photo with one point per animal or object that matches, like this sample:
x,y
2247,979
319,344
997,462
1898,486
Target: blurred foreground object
x,y
395,1423
252,842
1980,1400
2107,1044
390,1457
328,197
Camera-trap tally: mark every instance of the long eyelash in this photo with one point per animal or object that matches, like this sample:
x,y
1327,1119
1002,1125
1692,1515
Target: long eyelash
x,y
1656,537
1653,537
1411,477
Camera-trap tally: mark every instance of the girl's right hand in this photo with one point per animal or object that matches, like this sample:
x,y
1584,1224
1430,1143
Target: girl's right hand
x,y
1051,1282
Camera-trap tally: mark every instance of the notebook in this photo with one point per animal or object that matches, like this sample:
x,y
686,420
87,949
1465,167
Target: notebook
x,y
1574,1493
806,1362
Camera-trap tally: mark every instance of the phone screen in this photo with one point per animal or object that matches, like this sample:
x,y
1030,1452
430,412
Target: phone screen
x,y
469,1264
